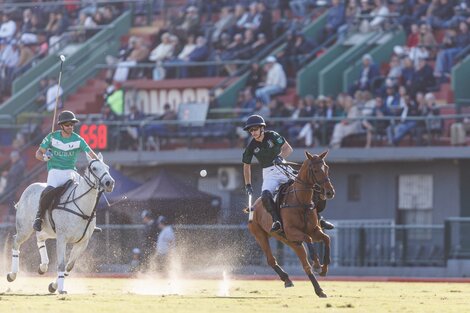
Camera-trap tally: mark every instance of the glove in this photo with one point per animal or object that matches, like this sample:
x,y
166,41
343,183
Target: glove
x,y
278,160
48,155
248,189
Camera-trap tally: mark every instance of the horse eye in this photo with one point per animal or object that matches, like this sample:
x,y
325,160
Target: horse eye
x,y
93,168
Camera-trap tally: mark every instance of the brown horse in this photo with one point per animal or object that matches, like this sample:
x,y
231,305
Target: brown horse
x,y
299,219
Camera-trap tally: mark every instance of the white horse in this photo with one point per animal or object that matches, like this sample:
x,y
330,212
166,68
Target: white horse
x,y
74,220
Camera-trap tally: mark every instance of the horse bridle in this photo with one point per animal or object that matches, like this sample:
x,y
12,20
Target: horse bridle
x,y
97,184
317,185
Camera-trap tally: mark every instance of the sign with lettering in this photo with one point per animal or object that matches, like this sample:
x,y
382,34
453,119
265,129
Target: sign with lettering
x,y
151,96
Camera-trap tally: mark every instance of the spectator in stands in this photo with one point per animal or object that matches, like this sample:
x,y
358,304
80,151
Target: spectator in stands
x,y
241,16
351,12
368,73
33,32
199,54
190,23
379,14
225,22
404,10
3,182
439,12
423,78
379,124
348,126
41,99
9,59
296,50
407,73
151,231
306,131
14,178
433,124
166,244
157,130
276,81
413,36
405,125
363,16
247,103
264,19
255,77
7,28
54,91
55,28
164,51
232,51
130,134
455,44
394,73
335,18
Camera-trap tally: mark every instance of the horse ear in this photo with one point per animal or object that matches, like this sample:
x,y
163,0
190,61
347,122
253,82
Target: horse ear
x,y
324,154
89,158
100,157
308,155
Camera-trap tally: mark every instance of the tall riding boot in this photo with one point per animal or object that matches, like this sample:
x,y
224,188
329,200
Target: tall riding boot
x,y
324,224
44,202
268,202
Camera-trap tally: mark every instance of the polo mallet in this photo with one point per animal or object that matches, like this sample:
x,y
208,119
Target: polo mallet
x,y
62,59
250,209
118,201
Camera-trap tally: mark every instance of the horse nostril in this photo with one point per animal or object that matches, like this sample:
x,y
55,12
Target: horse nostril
x,y
107,183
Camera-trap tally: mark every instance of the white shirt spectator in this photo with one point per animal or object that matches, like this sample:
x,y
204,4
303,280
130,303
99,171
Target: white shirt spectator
x,y
276,76
9,56
7,30
51,96
186,51
166,240
164,50
379,14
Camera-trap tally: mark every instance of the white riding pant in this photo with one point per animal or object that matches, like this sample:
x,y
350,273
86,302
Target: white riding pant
x,y
273,177
56,178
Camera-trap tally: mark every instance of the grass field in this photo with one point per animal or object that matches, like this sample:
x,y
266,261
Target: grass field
x,y
96,295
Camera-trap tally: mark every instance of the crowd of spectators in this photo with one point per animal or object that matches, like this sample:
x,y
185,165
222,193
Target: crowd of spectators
x,y
28,34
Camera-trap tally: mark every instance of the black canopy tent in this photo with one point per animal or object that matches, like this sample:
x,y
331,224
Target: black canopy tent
x,y
180,202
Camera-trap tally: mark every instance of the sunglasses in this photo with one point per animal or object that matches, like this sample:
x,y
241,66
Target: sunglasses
x,y
253,129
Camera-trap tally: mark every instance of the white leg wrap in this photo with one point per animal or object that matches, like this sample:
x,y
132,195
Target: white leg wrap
x,y
43,252
15,261
60,281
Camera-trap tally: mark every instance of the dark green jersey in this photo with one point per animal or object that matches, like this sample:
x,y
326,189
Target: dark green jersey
x,y
65,150
264,151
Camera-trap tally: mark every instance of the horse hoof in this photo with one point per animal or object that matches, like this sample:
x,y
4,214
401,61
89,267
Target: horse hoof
x,y
63,292
42,269
11,277
52,287
323,274
288,284
321,294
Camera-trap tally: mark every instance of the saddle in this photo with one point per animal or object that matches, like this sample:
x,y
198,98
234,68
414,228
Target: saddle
x,y
58,192
281,195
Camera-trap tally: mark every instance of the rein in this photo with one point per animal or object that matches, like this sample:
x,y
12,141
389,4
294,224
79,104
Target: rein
x,y
310,187
61,206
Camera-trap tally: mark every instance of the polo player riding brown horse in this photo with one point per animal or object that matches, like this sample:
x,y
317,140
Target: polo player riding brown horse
x,y
299,218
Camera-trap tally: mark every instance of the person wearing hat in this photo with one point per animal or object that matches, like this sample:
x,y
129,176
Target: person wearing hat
x,y
165,244
276,80
270,149
60,150
151,231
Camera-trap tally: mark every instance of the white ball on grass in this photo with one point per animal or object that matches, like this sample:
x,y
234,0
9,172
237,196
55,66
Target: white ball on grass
x,y
203,173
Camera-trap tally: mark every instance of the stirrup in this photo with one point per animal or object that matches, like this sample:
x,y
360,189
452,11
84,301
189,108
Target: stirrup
x,y
37,225
97,230
326,225
276,227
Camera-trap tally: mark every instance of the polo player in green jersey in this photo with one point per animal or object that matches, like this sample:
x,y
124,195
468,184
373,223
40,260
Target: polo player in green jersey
x,y
270,149
60,150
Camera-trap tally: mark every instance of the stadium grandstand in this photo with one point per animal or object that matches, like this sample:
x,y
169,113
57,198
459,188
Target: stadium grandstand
x,y
163,88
